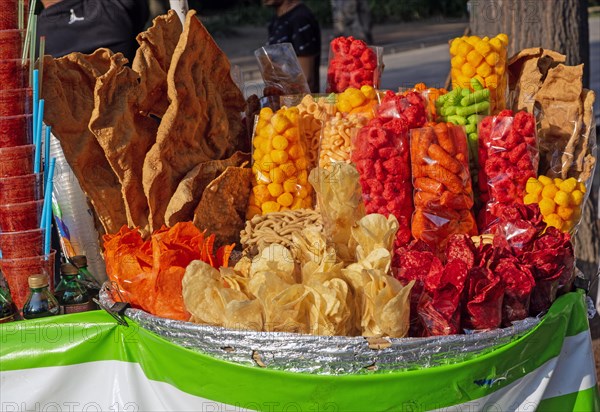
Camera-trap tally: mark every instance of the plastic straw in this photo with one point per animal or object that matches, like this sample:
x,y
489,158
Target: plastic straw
x,y
40,63
47,151
28,32
37,137
21,14
33,43
36,96
47,208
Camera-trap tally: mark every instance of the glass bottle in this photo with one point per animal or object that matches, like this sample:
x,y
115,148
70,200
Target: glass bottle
x,y
41,302
86,278
7,313
72,295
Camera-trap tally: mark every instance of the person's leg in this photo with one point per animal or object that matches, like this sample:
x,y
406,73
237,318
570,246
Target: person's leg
x,y
364,17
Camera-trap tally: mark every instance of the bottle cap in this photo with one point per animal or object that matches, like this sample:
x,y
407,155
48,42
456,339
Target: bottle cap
x,y
37,281
68,269
79,261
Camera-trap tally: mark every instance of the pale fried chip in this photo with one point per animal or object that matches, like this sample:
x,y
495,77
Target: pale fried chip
x,y
153,59
372,232
190,189
222,209
69,84
125,135
202,121
276,259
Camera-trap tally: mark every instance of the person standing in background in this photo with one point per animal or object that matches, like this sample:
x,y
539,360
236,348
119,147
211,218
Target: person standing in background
x,y
86,25
352,18
294,23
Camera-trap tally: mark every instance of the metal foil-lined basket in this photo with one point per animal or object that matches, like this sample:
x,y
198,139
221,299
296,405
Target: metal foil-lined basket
x,y
326,355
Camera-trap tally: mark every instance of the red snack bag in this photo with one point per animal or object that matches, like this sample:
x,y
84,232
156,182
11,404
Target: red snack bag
x,y
482,307
443,195
381,155
352,63
508,156
439,306
518,285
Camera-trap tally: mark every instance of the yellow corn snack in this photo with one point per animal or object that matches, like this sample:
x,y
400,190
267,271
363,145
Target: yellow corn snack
x,y
280,163
484,59
358,101
559,200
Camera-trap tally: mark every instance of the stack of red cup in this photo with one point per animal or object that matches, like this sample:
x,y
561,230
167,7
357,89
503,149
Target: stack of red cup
x,y
21,194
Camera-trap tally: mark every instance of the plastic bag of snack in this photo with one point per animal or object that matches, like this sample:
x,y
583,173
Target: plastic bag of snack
x,y
443,195
281,70
508,158
381,155
336,138
352,63
280,164
314,111
430,95
361,101
483,59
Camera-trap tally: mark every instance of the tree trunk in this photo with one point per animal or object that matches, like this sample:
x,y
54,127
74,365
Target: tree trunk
x,y
560,25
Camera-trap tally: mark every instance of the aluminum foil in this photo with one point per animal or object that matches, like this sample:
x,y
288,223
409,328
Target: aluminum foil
x,y
327,355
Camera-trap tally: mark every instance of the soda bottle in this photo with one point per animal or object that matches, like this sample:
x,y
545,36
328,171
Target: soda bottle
x,y
41,302
86,278
72,295
7,313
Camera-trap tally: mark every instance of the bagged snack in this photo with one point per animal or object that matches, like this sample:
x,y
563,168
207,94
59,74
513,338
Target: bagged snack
x,y
280,164
381,156
281,70
313,114
431,95
443,195
482,308
485,60
358,101
508,157
353,64
519,283
337,136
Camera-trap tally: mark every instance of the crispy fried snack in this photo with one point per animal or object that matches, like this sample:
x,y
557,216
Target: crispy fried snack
x,y
189,191
153,60
69,84
202,121
222,209
123,133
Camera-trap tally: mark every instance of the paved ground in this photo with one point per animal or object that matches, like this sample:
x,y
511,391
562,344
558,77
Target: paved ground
x,y
413,52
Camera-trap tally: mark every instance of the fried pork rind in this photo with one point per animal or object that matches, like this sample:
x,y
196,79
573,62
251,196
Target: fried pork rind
x,y
222,209
123,133
189,191
153,59
203,119
339,197
69,84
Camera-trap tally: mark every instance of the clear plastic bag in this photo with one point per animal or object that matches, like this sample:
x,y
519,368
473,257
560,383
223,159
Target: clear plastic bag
x,y
336,139
280,164
485,60
352,63
281,70
443,194
508,158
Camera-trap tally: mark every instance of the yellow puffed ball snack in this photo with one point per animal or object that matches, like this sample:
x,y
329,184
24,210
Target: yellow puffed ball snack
x,y
280,122
568,185
565,213
577,197
369,92
562,199
545,180
557,181
252,211
554,220
270,206
280,142
279,156
581,187
549,191
530,198
275,189
285,199
533,186
547,206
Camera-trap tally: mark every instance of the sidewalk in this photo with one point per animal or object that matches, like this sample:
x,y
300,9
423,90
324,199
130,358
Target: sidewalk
x,y
240,46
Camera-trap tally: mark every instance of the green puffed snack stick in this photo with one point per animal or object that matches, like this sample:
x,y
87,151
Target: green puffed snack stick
x,y
472,119
453,98
474,108
471,128
476,85
465,92
458,120
473,137
448,111
441,100
475,97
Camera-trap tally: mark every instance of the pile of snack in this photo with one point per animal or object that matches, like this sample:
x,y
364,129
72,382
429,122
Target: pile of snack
x,y
364,212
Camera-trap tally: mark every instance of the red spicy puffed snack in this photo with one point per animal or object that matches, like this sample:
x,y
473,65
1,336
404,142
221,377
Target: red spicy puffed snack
x,y
416,262
439,307
443,195
552,264
381,155
352,63
482,300
508,156
518,285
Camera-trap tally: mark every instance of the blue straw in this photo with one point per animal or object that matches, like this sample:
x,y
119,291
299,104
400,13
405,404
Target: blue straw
x,y
47,210
37,137
47,151
36,95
